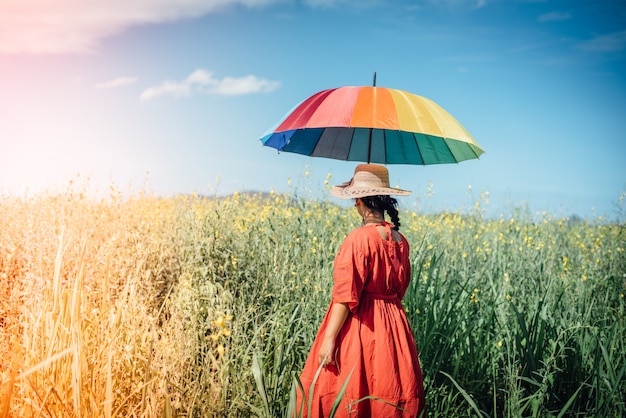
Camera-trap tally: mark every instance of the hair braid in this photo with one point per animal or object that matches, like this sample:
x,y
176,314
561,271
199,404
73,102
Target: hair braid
x,y
393,214
384,203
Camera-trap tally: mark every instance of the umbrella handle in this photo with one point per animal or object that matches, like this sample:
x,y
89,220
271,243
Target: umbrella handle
x,y
369,147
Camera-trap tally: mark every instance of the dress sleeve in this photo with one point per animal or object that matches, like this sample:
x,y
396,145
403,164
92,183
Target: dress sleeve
x,y
351,269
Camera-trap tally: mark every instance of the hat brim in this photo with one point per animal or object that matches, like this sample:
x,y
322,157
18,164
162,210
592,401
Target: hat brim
x,y
350,192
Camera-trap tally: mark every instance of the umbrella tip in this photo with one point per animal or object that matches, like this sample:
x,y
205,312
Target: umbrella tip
x,y
374,82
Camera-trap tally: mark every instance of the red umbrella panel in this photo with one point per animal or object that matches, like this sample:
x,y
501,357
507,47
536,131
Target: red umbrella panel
x,y
373,124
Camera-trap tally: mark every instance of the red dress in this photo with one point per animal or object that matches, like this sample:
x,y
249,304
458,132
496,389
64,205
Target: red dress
x,y
375,348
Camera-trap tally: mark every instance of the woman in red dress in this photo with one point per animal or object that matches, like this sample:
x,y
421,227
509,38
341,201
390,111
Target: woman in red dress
x,y
365,343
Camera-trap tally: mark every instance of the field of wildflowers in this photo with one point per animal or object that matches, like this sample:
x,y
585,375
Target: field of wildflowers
x,y
192,306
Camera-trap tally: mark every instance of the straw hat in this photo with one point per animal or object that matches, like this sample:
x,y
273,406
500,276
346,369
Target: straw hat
x,y
368,180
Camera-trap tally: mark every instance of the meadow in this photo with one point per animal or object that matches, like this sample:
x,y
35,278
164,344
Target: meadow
x,y
191,306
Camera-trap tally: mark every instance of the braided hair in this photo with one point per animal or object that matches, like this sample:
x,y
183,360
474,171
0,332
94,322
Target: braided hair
x,y
384,203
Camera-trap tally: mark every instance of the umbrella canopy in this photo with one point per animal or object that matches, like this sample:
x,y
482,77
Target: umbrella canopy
x,y
373,125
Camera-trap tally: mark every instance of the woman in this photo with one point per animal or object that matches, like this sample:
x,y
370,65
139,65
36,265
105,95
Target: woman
x,y
365,338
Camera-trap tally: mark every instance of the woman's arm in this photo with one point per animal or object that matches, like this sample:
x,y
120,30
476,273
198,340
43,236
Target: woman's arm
x,y
338,314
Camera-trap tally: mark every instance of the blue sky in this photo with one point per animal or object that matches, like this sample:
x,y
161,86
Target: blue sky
x,y
172,96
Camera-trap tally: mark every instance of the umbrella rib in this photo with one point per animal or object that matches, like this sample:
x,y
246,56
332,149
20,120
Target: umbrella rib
x,y
350,145
474,152
449,149
419,151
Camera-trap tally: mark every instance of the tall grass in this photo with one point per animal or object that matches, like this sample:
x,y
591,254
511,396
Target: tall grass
x,y
189,306
517,314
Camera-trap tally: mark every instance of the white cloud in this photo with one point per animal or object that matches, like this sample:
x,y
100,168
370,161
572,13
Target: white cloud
x,y
71,26
245,85
613,42
117,82
555,17
200,77
203,81
168,88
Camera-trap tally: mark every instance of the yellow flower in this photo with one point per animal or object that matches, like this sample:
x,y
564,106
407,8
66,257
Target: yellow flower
x,y
220,349
220,322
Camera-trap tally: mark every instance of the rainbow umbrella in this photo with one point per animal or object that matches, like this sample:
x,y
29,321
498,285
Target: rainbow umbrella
x,y
373,125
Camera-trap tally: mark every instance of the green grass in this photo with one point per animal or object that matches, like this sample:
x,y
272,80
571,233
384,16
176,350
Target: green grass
x,y
189,306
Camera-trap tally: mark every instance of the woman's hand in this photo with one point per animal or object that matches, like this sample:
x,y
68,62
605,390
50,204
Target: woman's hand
x,y
326,355
338,314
